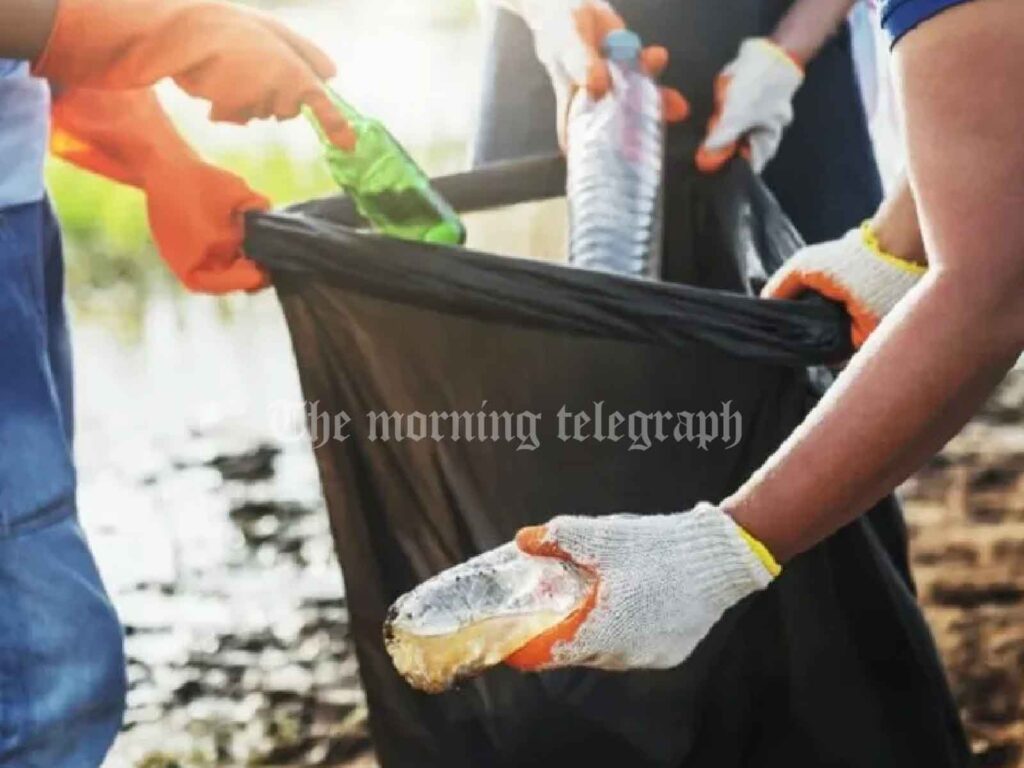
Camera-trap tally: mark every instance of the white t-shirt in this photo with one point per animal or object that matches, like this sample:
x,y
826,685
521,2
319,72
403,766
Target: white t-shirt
x,y
24,131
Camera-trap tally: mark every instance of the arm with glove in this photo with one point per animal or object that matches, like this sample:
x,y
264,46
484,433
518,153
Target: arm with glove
x,y
568,35
102,55
194,209
868,270
662,582
754,93
244,63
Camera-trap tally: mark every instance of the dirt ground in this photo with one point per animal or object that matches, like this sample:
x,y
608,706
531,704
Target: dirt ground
x,y
966,516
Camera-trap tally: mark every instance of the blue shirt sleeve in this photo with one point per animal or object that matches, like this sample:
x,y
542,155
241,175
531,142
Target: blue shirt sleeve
x,y
901,16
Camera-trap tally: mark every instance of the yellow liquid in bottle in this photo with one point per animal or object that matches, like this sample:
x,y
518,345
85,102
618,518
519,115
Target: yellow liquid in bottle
x,y
432,663
474,615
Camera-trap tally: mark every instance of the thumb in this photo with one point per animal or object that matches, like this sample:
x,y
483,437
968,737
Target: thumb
x,y
724,133
710,160
723,136
538,653
784,284
537,540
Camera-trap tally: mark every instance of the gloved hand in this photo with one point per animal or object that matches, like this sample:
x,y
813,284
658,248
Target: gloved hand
x,y
663,582
853,271
568,35
753,105
195,210
246,64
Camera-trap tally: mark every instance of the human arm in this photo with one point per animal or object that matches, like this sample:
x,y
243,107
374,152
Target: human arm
x,y
754,92
194,209
868,271
934,359
211,49
916,381
24,27
568,37
808,24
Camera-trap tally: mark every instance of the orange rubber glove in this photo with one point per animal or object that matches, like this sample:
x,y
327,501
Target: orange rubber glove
x,y
246,64
195,210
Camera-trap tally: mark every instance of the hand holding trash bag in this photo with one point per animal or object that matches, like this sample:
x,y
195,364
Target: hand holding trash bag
x,y
568,35
245,63
195,209
662,582
753,106
854,271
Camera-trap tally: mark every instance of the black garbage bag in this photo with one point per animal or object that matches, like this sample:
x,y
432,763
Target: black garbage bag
x,y
479,394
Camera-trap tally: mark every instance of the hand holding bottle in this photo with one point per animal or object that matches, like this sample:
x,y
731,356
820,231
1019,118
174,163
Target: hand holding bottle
x,y
569,37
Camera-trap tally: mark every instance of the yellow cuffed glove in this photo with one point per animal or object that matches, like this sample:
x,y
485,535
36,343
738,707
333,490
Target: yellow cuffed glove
x,y
753,106
854,271
661,583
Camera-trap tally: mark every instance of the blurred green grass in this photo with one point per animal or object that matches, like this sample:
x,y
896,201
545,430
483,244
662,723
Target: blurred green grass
x,y
105,228
112,265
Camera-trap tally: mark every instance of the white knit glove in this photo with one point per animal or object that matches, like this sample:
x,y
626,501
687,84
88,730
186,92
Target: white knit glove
x,y
853,271
753,105
567,37
662,583
558,44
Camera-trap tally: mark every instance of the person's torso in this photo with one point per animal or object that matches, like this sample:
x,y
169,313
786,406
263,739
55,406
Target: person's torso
x,y
24,129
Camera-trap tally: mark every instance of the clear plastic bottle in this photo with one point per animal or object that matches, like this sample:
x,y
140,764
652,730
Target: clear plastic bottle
x,y
615,159
476,614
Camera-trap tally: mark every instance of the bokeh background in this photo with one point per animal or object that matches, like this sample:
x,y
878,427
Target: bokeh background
x,y
199,492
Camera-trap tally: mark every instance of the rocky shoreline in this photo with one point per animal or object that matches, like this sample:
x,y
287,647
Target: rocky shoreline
x,y
213,679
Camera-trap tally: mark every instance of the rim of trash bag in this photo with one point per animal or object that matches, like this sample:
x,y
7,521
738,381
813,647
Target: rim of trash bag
x,y
321,237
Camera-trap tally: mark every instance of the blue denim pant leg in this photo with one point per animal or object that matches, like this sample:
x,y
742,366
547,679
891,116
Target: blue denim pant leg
x,y
62,672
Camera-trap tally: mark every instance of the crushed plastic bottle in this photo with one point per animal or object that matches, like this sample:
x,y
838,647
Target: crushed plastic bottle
x,y
389,189
474,615
615,158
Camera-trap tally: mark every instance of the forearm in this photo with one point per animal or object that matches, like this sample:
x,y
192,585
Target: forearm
x,y
25,27
910,388
808,24
934,359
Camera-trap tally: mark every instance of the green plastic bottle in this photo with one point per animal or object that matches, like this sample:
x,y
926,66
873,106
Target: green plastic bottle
x,y
388,188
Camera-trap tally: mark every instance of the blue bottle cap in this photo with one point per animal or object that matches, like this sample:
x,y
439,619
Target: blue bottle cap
x,y
622,45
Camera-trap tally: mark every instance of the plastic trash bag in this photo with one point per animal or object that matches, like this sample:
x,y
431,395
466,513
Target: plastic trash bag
x,y
833,665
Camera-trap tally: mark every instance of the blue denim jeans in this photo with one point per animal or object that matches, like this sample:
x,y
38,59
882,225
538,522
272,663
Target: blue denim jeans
x,y
62,672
